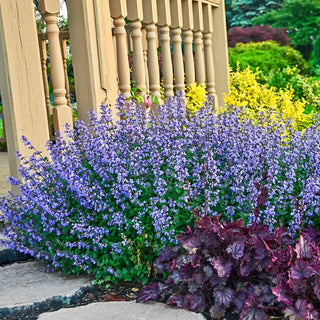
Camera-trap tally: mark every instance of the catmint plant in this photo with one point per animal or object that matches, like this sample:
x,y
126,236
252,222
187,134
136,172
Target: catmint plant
x,y
111,196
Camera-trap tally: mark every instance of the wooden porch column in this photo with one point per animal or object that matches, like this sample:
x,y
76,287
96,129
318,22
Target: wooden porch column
x,y
220,51
93,59
21,82
62,113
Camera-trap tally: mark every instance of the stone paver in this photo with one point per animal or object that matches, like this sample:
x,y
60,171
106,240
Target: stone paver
x,y
122,311
7,255
25,286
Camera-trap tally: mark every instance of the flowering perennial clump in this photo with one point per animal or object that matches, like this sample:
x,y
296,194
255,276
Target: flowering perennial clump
x,y
112,196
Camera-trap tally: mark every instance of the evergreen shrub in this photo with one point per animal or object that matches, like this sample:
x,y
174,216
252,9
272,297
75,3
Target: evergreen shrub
x,y
266,56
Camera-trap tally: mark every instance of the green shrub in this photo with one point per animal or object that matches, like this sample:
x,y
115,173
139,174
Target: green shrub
x,y
304,88
316,52
266,56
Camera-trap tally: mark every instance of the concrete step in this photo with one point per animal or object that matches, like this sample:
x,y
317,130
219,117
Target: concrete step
x,y
26,288
129,310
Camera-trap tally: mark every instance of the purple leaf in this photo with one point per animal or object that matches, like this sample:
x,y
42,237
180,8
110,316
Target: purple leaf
x,y
186,271
236,249
208,271
298,286
284,257
214,280
247,266
235,226
189,240
176,300
282,236
261,250
312,234
217,311
223,267
313,314
240,299
253,310
300,270
224,297
195,302
265,294
165,259
316,288
151,292
303,249
297,312
282,292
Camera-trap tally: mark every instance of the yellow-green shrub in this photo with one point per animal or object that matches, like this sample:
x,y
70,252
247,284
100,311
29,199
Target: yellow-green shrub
x,y
195,97
247,92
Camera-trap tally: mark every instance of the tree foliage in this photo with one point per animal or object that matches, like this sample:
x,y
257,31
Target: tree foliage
x,y
300,17
239,13
257,34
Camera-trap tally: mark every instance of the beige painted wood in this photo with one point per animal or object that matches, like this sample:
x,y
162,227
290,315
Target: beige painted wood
x,y
207,35
107,58
62,113
220,51
150,18
176,25
118,11
21,79
145,58
187,27
135,16
64,50
198,42
93,56
164,22
43,56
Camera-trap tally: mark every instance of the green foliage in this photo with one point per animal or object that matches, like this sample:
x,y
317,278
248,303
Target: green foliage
x,y
247,92
266,56
195,97
241,12
304,88
300,17
316,52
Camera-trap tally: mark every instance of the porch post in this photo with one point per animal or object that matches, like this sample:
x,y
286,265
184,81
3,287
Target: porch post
x,y
93,56
21,80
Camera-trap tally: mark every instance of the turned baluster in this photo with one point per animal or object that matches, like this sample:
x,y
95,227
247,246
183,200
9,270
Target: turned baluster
x,y
164,21
187,40
44,57
118,11
64,50
135,16
145,57
150,19
176,24
61,112
207,35
198,43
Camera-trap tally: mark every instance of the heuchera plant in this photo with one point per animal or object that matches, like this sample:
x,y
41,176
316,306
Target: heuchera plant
x,y
229,270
